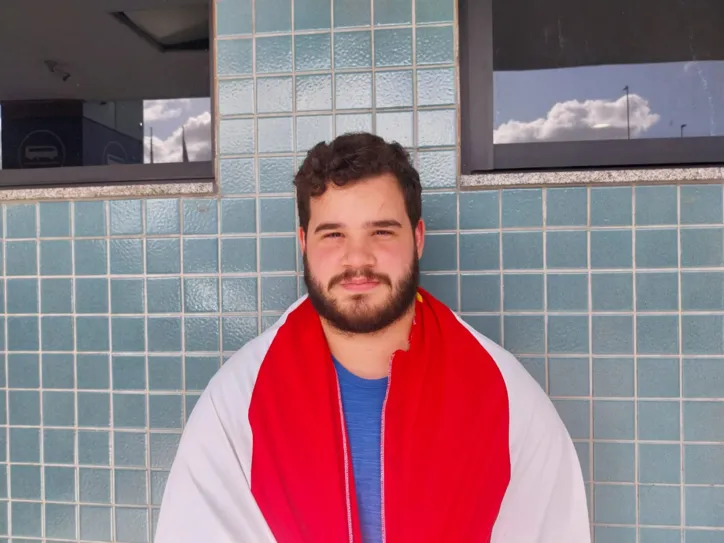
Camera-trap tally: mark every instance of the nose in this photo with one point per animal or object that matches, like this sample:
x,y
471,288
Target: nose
x,y
358,253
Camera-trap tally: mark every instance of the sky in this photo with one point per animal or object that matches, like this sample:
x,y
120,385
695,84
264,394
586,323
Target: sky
x,y
573,104
167,117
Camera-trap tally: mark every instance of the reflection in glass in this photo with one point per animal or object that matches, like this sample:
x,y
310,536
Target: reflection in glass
x,y
93,87
575,71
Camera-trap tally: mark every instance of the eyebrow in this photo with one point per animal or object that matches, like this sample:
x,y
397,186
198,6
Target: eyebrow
x,y
385,223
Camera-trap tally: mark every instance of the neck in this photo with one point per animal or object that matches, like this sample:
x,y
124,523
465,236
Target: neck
x,y
368,355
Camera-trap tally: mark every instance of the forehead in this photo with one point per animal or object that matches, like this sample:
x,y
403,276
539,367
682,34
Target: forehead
x,y
360,201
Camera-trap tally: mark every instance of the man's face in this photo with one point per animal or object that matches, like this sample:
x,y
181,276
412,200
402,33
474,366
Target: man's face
x,y
361,255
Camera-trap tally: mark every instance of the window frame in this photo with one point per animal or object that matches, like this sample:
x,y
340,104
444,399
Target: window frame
x,y
162,173
480,155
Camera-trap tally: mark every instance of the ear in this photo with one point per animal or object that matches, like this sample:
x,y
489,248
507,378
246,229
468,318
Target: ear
x,y
302,239
420,237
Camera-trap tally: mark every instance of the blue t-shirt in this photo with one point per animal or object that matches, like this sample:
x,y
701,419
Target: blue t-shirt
x,y
362,401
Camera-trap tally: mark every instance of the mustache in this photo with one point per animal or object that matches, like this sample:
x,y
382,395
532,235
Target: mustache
x,y
365,273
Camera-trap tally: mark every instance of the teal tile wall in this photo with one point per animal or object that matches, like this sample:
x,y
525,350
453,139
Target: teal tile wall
x,y
115,314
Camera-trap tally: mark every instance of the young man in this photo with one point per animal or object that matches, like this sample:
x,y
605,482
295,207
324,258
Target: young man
x,y
370,412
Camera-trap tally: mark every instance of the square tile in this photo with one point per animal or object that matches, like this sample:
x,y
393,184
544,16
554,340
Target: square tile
x,y
58,371
129,372
91,295
163,295
702,334
522,250
659,505
274,94
274,54
614,462
54,219
236,137
311,14
702,378
658,420
352,49
277,214
56,295
275,175
701,204
165,372
22,296
21,258
575,414
351,13
129,449
130,487
435,45
312,52
438,169
277,293
239,294
58,445
234,57
200,370
92,370
487,325
274,16
58,408
95,485
702,291
90,257
612,292
523,292
129,410
436,128
704,464
313,92
236,96
480,251
278,254
57,333
480,293
701,421
233,17
393,89
126,217
163,256
524,334
26,519
200,216
702,247
126,256
659,463
611,249
94,409
23,334
275,134
439,211
440,253
394,47
165,411
94,447
238,255
611,206
91,334
396,126
612,334
128,334
131,524
21,221
656,205
236,176
127,296
201,294
433,11
393,12
162,216
353,122
202,334
436,87
89,219
703,508
566,249
56,257
567,292
658,291
613,419
658,377
95,523
443,287
657,334
522,208
568,376
60,484
657,248
613,377
201,255
567,206
479,210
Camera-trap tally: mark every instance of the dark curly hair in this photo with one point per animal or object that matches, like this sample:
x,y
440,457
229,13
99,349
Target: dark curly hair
x,y
354,157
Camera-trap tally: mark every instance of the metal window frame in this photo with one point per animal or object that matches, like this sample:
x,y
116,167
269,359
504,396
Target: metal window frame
x,y
480,155
129,174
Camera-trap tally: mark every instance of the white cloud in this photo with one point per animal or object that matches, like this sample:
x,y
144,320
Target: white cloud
x,y
159,110
587,120
198,142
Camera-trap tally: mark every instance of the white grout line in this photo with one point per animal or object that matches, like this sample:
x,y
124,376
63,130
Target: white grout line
x,y
634,323
682,495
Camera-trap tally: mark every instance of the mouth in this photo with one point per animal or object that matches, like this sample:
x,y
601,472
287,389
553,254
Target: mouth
x,y
359,285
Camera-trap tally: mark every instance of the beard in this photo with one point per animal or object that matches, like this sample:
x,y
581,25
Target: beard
x,y
360,316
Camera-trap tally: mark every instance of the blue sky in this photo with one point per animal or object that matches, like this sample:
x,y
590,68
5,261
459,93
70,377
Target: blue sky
x,y
678,93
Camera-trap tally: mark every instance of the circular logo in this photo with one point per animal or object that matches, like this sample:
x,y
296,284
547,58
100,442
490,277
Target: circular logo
x,y
41,149
114,153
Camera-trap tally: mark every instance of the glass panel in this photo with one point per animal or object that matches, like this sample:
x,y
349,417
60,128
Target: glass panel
x,y
607,70
90,87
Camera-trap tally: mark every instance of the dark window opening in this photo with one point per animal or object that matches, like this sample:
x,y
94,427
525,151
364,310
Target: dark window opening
x,y
87,100
618,83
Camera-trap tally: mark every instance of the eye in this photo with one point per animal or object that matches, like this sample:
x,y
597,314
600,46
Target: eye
x,y
383,233
332,235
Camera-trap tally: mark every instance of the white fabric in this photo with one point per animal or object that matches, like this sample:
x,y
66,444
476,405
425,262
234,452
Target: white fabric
x,y
545,501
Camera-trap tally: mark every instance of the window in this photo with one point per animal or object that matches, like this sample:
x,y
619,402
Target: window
x,y
555,84
96,92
